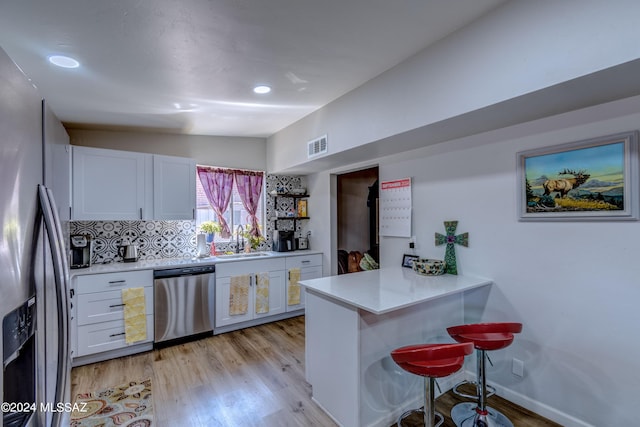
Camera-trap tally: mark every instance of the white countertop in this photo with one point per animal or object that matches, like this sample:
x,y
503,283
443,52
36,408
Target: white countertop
x,y
157,264
389,289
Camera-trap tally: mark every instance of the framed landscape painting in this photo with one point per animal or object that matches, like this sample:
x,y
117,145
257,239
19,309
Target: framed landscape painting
x,y
594,179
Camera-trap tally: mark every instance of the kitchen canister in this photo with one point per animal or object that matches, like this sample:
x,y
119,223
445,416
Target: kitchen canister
x,y
202,248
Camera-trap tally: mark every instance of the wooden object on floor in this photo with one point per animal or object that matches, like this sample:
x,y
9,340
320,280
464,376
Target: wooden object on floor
x,y
253,376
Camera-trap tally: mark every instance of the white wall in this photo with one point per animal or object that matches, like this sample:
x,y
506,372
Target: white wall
x,y
233,152
518,48
574,285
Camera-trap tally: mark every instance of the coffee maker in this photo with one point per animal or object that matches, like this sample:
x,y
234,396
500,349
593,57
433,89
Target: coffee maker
x,y
81,251
283,241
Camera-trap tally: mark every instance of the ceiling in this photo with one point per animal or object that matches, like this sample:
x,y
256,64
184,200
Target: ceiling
x,y
189,66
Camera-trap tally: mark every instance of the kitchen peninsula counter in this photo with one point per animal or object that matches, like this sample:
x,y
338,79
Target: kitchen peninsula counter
x,y
353,321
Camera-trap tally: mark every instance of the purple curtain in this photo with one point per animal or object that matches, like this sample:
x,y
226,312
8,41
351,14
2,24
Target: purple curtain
x,y
249,185
217,185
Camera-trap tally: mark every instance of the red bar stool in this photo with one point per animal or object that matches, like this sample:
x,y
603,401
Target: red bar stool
x,y
430,361
485,337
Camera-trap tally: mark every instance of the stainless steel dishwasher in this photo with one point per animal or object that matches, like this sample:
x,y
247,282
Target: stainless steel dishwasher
x,y
183,302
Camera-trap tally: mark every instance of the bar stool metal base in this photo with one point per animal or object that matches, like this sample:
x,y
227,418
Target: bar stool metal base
x,y
438,416
490,389
465,415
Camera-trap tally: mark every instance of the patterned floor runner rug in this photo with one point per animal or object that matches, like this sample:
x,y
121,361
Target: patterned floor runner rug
x,y
127,405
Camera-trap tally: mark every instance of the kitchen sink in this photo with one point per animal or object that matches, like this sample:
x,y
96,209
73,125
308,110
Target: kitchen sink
x,y
244,255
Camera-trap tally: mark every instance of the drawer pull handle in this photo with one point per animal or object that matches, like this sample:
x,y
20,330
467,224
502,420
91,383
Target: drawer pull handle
x,y
117,335
117,305
117,282
306,261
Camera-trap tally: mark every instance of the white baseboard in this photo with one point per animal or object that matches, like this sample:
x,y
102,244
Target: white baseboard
x,y
539,408
111,354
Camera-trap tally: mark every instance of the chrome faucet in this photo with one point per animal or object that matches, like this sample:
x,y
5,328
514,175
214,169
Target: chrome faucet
x,y
239,232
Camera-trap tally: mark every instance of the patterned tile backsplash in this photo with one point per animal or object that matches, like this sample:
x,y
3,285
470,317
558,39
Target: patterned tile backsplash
x,y
171,239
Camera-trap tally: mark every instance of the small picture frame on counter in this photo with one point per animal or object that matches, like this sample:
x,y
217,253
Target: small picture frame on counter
x,y
407,260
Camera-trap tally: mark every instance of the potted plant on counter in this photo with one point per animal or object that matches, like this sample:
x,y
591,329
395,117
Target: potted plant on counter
x,y
253,240
210,228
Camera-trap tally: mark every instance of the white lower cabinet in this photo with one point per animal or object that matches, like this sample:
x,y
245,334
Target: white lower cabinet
x,y
97,321
99,312
105,336
275,268
310,268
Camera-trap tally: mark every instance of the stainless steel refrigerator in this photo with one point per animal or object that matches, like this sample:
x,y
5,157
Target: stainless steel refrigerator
x,y
34,293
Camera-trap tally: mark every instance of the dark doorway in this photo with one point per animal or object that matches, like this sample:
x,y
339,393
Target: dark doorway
x,y
357,205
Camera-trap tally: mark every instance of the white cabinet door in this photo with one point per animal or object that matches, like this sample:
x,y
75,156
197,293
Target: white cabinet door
x,y
110,184
310,268
105,336
277,294
97,324
276,299
301,261
174,188
107,306
106,282
306,273
223,292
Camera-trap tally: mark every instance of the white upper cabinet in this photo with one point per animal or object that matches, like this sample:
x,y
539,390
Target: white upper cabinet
x,y
123,185
110,184
174,188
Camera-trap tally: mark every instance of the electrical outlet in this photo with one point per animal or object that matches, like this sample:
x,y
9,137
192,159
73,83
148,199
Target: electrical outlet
x,y
412,242
517,367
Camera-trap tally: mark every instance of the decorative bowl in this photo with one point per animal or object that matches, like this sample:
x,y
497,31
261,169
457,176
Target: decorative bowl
x,y
429,267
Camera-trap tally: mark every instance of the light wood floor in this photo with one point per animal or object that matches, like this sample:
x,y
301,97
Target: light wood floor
x,y
251,377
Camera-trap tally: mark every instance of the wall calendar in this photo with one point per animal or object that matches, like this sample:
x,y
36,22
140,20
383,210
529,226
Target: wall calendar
x,y
395,208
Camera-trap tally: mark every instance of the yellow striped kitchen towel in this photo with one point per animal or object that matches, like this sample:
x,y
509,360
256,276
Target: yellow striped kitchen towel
x,y
293,292
135,315
262,293
239,295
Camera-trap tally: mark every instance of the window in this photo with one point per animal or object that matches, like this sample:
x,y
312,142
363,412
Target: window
x,y
235,215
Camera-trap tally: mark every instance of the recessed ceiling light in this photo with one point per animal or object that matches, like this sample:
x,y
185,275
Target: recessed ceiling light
x,y
64,61
262,89
185,107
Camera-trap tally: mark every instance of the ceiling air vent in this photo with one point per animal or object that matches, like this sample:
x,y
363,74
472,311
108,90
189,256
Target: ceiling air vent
x,y
317,146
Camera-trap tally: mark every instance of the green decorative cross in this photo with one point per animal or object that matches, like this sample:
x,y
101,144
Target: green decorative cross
x,y
450,239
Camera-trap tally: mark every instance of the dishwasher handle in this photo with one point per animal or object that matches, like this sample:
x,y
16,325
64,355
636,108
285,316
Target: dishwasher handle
x,y
184,271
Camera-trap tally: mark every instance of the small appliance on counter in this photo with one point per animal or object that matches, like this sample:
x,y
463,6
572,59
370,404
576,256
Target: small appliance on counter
x,y
283,241
128,252
81,251
202,247
303,242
